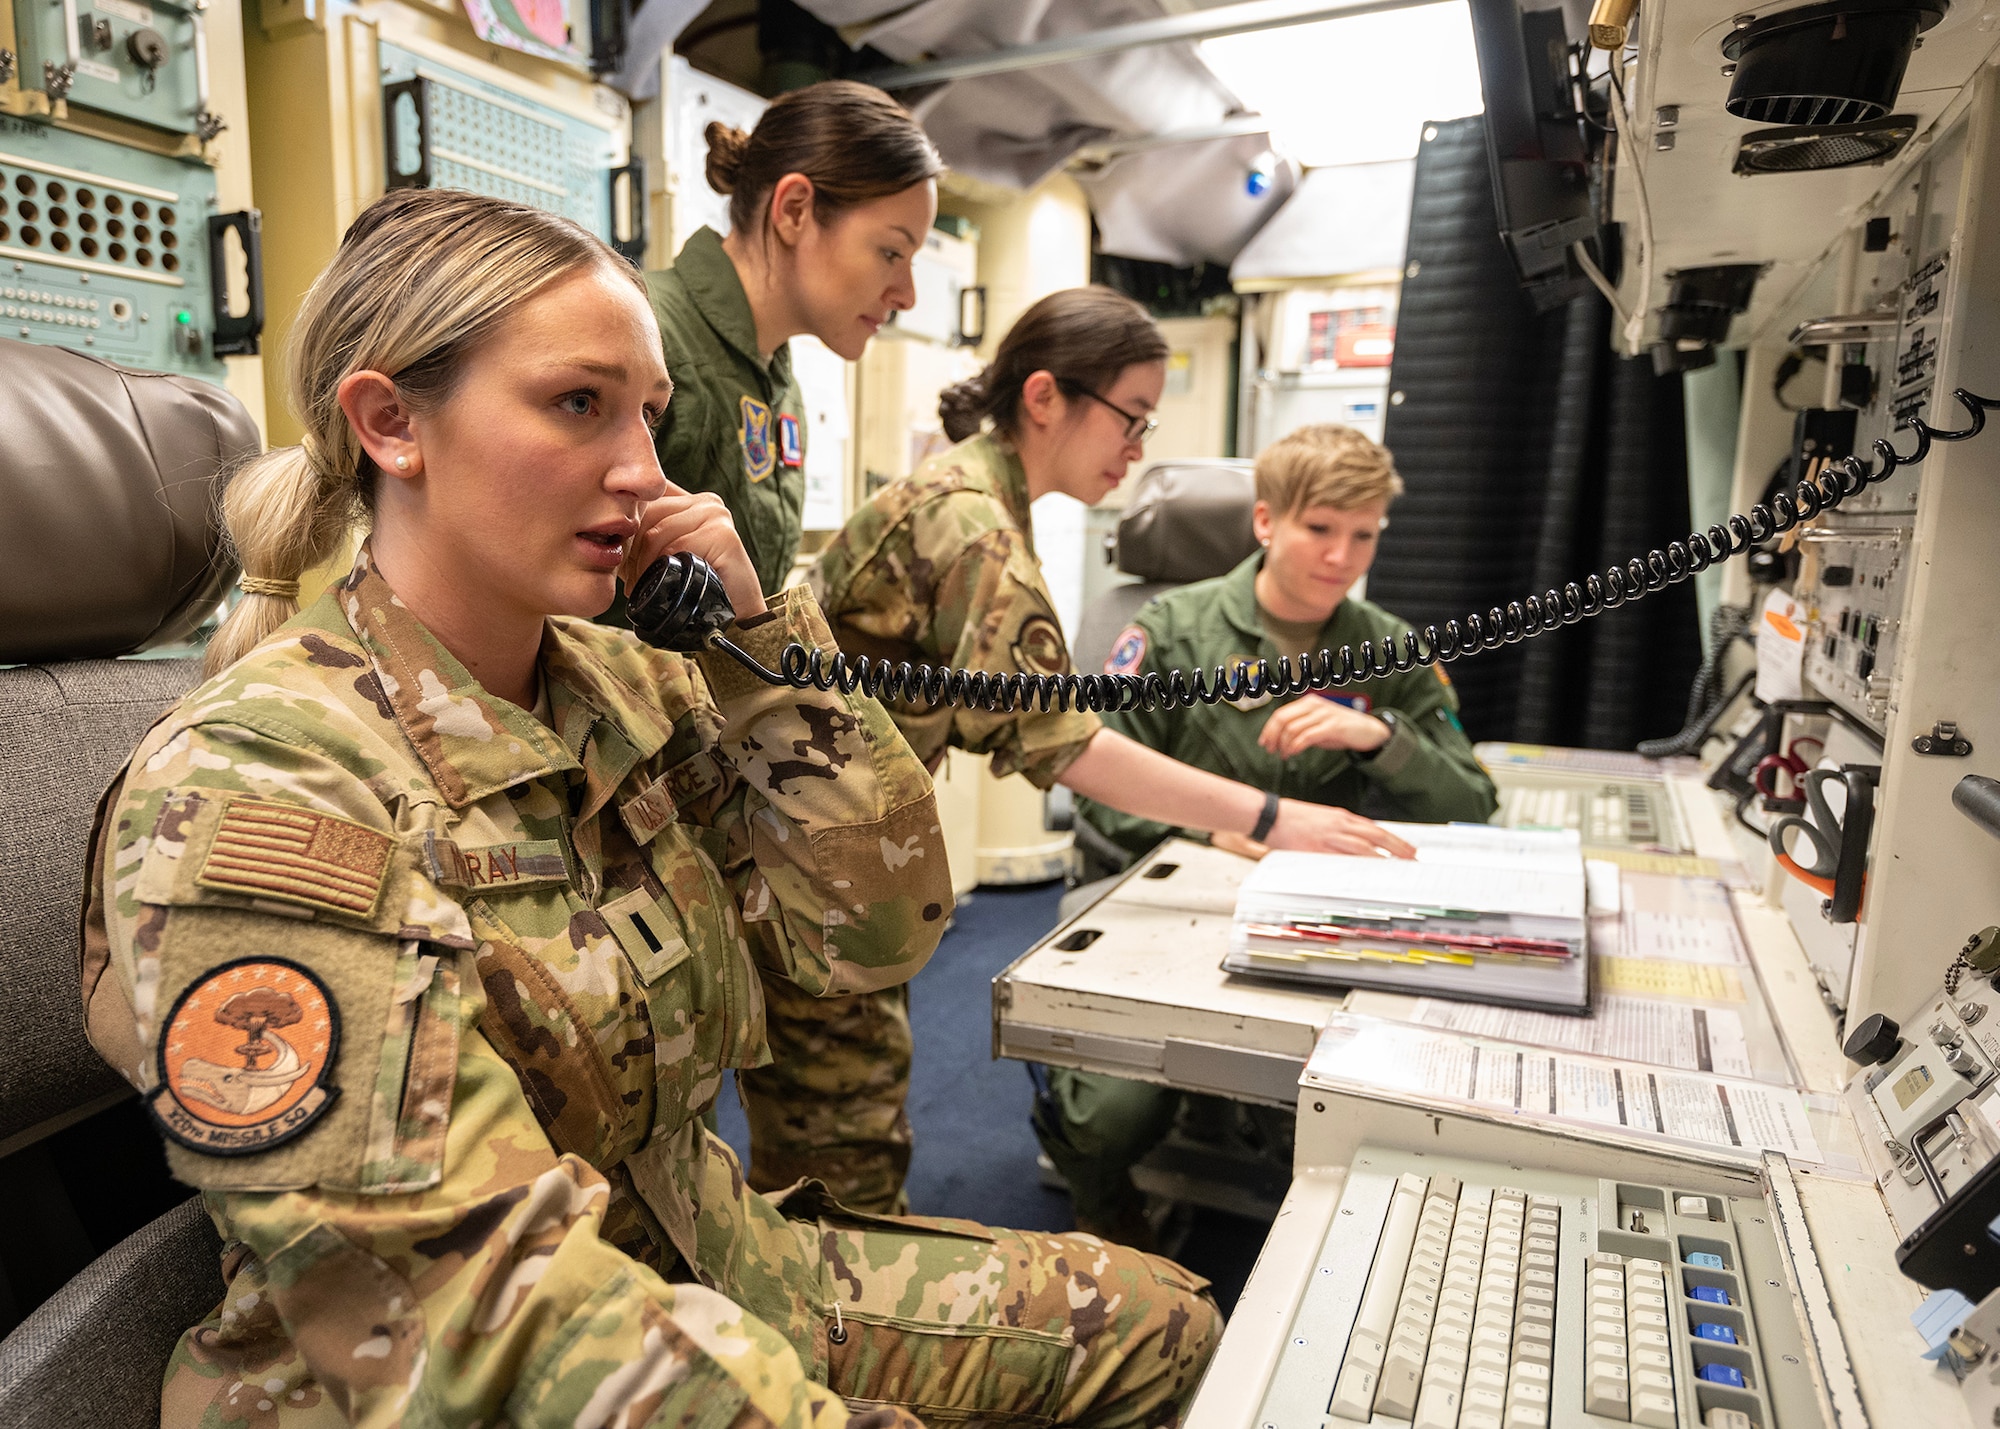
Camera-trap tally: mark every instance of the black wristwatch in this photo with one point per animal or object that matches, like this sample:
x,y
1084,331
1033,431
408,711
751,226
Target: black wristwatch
x,y
1389,718
1266,820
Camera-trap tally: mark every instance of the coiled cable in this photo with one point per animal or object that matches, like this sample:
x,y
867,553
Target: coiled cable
x,y
1620,584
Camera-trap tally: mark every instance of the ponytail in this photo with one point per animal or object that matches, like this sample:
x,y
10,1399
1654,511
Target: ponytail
x,y
284,516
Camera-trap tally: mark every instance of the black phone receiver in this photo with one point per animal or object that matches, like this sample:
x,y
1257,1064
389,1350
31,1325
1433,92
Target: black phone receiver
x,y
679,604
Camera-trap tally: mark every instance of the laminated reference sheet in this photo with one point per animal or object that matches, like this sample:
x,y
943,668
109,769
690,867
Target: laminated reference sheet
x,y
1719,1114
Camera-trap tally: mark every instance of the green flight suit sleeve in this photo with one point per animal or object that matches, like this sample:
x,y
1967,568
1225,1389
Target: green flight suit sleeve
x,y
1156,729
1428,767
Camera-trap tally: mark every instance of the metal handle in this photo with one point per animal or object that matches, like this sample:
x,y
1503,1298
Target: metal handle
x,y
1845,328
236,336
632,248
418,93
72,40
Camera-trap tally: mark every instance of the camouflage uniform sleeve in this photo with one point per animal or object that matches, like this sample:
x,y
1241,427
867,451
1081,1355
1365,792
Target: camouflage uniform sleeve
x,y
1143,647
1428,767
993,612
405,1240
835,851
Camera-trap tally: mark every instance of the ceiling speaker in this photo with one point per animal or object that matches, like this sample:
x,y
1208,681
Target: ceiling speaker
x,y
1803,148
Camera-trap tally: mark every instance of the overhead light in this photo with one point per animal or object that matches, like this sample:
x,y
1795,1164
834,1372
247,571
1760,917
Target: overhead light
x,y
1835,63
1396,71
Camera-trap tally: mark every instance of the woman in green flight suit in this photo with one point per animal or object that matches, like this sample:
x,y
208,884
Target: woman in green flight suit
x,y
829,200
830,197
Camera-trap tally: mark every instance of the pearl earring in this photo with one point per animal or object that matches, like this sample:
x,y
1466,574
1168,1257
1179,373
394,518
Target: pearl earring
x,y
402,463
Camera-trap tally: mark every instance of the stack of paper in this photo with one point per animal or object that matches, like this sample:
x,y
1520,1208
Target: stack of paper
x,y
1481,914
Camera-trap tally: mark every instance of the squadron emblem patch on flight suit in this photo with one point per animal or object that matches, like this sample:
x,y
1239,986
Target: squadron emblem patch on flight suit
x,y
244,1057
1128,653
1039,648
759,458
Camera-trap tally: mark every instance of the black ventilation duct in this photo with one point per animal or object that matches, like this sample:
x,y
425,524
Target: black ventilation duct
x,y
1819,65
1801,148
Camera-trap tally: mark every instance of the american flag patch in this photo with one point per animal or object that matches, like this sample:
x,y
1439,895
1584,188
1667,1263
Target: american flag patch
x,y
270,850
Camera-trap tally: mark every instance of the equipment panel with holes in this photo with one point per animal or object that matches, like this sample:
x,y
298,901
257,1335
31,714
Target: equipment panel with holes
x,y
143,60
104,249
1852,583
446,129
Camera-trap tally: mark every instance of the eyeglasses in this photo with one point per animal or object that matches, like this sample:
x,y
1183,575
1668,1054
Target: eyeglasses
x,y
1138,425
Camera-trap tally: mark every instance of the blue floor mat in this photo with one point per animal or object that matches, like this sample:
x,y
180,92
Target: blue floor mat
x,y
975,1151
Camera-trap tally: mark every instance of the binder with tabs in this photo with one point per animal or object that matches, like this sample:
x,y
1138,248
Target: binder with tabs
x,y
1481,915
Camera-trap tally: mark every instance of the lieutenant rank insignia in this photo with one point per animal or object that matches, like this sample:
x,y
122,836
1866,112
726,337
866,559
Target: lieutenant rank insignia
x,y
758,457
244,1057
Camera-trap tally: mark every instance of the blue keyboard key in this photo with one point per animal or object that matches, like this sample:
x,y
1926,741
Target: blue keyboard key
x,y
1705,1260
1710,1294
1723,1333
1721,1374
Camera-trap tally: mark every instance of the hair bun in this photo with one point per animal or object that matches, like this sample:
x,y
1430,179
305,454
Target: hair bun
x,y
726,144
962,407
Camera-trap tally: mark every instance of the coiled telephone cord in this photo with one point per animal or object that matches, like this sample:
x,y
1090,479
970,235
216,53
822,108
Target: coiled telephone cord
x,y
1520,620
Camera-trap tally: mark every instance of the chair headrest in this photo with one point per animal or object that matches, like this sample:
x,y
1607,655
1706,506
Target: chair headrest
x,y
1188,520
112,485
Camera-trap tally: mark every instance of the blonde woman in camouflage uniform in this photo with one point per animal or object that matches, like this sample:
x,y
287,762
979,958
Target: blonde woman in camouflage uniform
x,y
830,197
428,924
941,568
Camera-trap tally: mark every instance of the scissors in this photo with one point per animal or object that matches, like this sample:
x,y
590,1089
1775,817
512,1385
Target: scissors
x,y
1824,833
1790,765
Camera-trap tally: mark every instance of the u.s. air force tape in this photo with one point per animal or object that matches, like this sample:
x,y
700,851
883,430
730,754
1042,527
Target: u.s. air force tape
x,y
244,1057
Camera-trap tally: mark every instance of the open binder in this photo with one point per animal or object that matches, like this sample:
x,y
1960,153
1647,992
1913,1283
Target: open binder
x,y
1480,915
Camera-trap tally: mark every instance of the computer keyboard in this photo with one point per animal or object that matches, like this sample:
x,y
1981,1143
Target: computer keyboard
x,y
1453,1294
1612,813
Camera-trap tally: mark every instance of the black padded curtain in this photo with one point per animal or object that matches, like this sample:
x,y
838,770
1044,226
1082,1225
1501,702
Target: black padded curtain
x,y
1532,455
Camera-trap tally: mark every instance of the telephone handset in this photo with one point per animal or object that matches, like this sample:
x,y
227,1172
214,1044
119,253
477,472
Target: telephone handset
x,y
680,604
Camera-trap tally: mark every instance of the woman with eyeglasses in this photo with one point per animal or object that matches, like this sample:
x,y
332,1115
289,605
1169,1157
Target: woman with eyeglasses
x,y
940,568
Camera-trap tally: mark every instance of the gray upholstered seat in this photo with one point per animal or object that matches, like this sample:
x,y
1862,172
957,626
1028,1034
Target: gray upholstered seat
x,y
112,544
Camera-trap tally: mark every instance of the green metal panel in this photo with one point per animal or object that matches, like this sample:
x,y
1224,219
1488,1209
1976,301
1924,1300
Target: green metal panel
x,y
496,141
104,249
138,59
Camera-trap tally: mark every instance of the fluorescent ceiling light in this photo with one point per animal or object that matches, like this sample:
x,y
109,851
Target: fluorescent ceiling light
x,y
1355,90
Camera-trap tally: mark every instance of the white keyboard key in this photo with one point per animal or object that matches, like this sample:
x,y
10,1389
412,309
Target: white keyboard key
x,y
1437,1408
1533,1350
1489,1359
1646,1320
1527,1416
1720,1418
1527,1392
1641,1264
1445,1367
1648,1340
1457,1317
1532,1294
1654,1411
1695,1206
1497,1337
1354,1393
1654,1362
1607,1395
1485,1401
1488,1376
1538,1260
1529,1372
1397,1394
1546,1244
1606,1352
1651,1381
1478,1419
